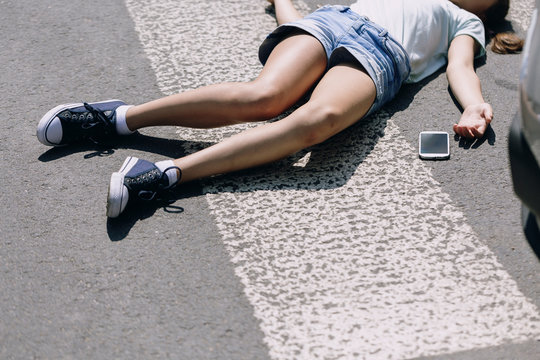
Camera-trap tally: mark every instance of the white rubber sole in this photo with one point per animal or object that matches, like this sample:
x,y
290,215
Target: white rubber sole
x,y
49,117
46,121
118,195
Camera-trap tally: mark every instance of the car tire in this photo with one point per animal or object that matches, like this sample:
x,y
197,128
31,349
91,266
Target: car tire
x,y
531,229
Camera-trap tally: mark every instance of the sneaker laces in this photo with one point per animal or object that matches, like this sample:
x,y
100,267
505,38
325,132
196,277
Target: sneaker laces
x,y
149,195
98,118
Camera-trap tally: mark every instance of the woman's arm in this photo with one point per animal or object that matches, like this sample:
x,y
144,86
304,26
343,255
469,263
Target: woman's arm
x,y
465,85
285,11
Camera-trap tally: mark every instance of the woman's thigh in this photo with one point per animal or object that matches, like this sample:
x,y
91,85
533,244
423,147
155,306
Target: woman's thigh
x,y
292,69
341,98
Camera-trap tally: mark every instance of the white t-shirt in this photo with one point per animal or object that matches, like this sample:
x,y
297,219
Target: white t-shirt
x,y
424,28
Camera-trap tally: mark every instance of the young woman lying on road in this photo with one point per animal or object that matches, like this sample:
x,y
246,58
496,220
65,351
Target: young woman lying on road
x,y
354,58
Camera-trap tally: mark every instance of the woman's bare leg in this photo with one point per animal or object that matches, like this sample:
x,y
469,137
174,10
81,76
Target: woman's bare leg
x,y
293,67
285,11
341,98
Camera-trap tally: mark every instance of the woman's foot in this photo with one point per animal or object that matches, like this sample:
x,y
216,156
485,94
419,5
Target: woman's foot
x,y
71,123
139,180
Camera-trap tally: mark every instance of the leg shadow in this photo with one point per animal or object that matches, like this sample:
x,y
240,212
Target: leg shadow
x,y
119,228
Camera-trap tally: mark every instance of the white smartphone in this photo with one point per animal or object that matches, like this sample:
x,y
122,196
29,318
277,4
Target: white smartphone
x,y
434,145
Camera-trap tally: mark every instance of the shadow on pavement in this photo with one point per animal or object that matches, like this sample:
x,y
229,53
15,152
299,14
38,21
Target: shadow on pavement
x,y
170,148
466,144
119,228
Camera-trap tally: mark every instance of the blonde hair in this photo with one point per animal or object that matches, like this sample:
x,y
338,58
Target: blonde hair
x,y
506,43
501,42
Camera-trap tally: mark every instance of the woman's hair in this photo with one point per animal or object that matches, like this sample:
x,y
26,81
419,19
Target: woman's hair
x,y
501,42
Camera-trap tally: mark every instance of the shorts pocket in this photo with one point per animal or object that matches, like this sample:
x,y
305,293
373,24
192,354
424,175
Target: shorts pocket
x,y
399,58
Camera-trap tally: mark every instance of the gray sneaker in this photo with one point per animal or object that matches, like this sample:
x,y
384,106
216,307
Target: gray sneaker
x,y
70,123
136,180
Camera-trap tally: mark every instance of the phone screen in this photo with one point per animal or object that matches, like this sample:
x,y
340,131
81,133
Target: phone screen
x,y
434,144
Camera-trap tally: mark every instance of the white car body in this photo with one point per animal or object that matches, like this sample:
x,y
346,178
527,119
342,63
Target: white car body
x,y
524,137
530,86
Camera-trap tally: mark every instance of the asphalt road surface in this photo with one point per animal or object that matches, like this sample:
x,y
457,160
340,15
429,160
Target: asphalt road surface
x,y
352,249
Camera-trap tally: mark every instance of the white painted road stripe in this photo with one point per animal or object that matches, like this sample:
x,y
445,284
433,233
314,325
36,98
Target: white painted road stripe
x,y
358,253
520,13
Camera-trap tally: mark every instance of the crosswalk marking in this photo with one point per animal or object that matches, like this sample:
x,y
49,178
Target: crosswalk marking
x,y
520,13
350,250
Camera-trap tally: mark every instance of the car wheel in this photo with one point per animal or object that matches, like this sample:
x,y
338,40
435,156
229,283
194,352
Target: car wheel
x,y
531,229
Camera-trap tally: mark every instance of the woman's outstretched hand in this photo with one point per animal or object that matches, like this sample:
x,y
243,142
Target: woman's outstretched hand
x,y
474,121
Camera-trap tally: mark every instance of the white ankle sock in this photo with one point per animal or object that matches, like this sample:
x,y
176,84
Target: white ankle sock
x,y
172,174
121,126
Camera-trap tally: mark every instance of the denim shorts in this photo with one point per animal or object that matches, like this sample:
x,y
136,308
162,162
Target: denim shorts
x,y
347,36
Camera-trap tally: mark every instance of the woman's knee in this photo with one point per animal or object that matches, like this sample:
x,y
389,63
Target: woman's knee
x,y
265,100
318,122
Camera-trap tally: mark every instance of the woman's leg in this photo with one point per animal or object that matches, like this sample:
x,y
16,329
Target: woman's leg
x,y
285,11
341,98
293,67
